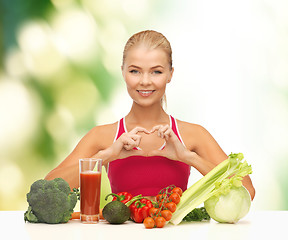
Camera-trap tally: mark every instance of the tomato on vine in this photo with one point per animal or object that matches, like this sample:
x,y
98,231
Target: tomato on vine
x,y
149,222
160,222
175,197
171,206
167,214
160,196
153,211
177,190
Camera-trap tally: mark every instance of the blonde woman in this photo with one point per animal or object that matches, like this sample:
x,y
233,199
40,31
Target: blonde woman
x,y
147,149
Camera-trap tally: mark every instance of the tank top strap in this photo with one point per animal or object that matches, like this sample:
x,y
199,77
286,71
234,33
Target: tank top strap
x,y
120,129
174,127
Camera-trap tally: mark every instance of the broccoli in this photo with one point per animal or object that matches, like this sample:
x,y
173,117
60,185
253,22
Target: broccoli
x,y
50,202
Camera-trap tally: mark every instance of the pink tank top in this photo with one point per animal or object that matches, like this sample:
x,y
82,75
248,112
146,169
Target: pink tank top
x,y
147,175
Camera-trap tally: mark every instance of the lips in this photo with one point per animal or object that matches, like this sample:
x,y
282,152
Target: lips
x,y
145,93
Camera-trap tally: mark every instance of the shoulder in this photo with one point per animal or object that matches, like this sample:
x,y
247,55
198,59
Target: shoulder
x,y
191,128
104,129
101,136
193,134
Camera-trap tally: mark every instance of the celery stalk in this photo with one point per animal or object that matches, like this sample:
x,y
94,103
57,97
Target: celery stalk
x,y
212,183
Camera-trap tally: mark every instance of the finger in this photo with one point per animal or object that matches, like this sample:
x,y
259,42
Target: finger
x,y
155,128
128,147
168,133
161,130
129,143
139,129
158,130
164,130
137,139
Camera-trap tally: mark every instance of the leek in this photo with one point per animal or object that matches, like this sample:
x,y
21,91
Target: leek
x,y
215,182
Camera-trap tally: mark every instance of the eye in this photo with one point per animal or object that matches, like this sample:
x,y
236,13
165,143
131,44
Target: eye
x,y
134,71
157,72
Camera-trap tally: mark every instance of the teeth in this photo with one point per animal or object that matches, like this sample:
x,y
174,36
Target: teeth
x,y
146,92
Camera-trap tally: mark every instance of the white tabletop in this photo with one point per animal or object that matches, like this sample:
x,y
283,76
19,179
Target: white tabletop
x,y
255,225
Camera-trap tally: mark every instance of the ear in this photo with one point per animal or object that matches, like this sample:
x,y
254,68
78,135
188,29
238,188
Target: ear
x,y
171,75
122,71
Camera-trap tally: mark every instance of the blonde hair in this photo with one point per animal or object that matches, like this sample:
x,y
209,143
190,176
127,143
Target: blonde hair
x,y
152,40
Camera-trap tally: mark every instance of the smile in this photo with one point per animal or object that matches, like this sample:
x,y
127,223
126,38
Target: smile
x,y
145,93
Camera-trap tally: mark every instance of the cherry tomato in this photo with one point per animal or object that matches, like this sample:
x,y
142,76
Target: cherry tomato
x,y
171,206
149,222
160,197
160,222
177,190
153,211
175,197
167,214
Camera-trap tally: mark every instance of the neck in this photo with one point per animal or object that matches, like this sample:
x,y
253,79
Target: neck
x,y
146,116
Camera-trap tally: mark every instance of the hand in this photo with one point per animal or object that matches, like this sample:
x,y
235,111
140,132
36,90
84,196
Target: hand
x,y
124,146
174,149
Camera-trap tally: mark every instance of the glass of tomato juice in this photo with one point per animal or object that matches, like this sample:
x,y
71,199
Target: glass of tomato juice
x,y
90,186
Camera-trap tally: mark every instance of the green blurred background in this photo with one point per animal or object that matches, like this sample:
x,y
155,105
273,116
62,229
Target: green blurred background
x,y
60,76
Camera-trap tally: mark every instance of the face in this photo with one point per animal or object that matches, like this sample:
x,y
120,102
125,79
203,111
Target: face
x,y
146,73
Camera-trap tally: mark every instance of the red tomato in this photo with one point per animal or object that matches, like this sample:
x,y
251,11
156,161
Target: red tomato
x,y
167,214
153,211
177,190
175,197
160,222
149,222
160,197
171,206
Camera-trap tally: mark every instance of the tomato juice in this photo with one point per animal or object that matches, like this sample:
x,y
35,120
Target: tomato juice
x,y
90,185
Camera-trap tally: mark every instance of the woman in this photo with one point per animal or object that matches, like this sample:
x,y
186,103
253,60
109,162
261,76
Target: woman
x,y
148,149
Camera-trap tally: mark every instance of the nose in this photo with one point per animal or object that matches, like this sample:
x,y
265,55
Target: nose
x,y
145,80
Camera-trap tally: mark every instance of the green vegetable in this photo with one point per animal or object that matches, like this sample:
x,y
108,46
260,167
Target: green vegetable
x,y
77,192
50,202
116,212
216,181
229,207
197,214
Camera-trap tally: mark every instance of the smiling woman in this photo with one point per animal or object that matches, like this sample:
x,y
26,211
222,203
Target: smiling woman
x,y
130,147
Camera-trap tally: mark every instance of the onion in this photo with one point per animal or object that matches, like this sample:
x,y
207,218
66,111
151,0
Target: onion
x,y
231,207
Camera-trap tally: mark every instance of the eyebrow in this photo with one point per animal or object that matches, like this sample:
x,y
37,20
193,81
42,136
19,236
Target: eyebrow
x,y
157,66
134,66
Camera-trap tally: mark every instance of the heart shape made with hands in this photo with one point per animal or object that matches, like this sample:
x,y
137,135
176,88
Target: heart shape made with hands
x,y
150,141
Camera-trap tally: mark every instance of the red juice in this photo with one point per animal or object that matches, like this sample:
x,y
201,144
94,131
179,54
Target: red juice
x,y
90,185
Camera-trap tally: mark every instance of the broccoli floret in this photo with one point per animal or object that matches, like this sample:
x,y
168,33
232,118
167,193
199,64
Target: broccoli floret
x,y
50,202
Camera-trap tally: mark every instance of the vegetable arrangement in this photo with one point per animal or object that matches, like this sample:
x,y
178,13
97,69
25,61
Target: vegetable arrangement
x,y
221,191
